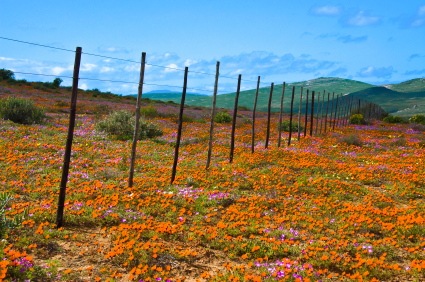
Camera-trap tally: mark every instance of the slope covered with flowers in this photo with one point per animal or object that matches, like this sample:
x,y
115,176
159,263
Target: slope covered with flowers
x,y
317,210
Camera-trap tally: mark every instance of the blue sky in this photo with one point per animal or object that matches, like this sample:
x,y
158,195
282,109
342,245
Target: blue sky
x,y
378,42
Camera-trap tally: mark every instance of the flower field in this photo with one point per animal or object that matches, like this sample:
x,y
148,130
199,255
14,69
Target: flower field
x,y
319,210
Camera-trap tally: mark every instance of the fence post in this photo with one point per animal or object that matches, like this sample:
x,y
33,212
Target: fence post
x,y
179,131
336,110
280,116
350,110
306,115
136,126
212,116
358,109
341,102
345,110
317,113
330,119
67,155
327,108
290,119
321,115
268,116
312,114
232,142
253,116
299,114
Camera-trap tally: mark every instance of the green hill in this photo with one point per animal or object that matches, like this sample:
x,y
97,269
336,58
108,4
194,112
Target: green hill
x,y
399,99
413,85
246,98
395,102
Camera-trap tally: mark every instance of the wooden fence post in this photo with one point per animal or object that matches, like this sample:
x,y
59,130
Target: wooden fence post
x,y
290,119
341,104
212,116
336,110
232,141
327,108
330,118
136,126
312,114
280,116
179,131
253,116
299,114
67,155
358,109
317,113
268,116
321,115
306,115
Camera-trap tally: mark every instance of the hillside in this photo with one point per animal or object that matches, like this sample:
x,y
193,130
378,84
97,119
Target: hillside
x,y
400,98
246,98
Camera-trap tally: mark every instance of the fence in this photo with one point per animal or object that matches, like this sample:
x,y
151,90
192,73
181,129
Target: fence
x,y
345,106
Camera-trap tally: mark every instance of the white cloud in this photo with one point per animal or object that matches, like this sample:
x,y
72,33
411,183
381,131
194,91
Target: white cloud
x,y
418,22
83,86
6,59
87,67
107,60
421,11
376,72
106,69
327,10
172,66
59,70
361,19
189,62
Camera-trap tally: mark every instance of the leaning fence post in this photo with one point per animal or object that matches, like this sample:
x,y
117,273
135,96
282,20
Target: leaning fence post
x,y
330,119
212,116
306,115
232,141
290,119
136,126
336,110
280,116
253,115
67,155
312,114
268,116
179,131
327,107
299,114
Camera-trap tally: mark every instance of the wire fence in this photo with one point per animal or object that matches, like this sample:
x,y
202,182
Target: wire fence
x,y
340,115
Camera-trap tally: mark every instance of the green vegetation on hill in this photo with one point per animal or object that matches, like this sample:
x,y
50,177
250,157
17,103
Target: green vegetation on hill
x,y
413,85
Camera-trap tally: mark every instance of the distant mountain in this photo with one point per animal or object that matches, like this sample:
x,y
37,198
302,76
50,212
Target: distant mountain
x,y
161,93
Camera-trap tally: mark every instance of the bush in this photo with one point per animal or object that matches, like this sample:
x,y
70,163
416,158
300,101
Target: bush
x,y
6,74
417,119
394,119
352,139
357,119
384,115
149,111
285,126
6,223
243,108
186,118
57,82
20,110
222,117
120,125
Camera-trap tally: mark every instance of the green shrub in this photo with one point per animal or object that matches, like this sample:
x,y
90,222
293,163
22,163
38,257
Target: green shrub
x,y
247,121
120,125
21,110
201,121
384,115
285,126
243,108
149,111
57,82
6,74
394,119
186,118
222,117
357,119
418,119
6,223
352,139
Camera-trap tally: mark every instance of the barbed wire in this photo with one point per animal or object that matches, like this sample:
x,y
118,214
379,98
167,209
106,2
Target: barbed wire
x,y
126,60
